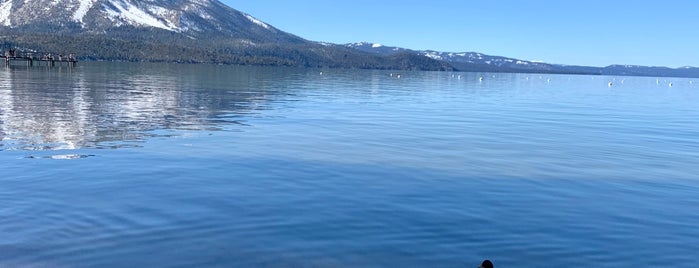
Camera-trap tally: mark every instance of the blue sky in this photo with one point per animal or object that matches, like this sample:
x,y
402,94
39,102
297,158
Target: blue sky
x,y
593,32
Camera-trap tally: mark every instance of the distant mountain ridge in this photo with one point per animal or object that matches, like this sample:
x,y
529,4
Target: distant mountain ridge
x,y
474,61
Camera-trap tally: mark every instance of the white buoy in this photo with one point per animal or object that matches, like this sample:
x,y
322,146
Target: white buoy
x,y
548,80
321,73
670,84
480,79
610,84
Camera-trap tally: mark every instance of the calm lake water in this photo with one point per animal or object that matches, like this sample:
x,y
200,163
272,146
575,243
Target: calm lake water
x,y
155,165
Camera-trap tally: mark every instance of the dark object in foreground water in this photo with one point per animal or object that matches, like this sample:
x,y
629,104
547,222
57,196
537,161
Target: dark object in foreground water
x,y
486,264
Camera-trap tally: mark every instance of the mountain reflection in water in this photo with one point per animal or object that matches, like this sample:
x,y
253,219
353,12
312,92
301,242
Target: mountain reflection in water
x,y
61,108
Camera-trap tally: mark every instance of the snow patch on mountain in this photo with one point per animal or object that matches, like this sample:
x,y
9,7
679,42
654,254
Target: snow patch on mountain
x,y
163,13
433,55
358,44
376,45
84,6
5,10
205,3
256,21
131,13
198,8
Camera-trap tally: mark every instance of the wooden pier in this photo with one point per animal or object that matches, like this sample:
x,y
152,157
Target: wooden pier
x,y
38,58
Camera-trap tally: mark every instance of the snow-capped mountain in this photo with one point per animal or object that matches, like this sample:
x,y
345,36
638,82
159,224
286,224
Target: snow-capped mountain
x,y
482,59
194,18
191,31
474,61
460,60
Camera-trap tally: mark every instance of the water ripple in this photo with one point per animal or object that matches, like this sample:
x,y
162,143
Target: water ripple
x,y
214,166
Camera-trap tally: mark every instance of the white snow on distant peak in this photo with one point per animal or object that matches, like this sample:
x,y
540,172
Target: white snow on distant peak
x,y
376,45
433,55
84,6
5,10
131,13
256,21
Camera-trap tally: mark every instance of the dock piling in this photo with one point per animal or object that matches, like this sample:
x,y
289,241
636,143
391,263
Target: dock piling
x,y
29,58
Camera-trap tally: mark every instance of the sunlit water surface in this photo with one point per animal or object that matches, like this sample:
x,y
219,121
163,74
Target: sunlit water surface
x,y
153,165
